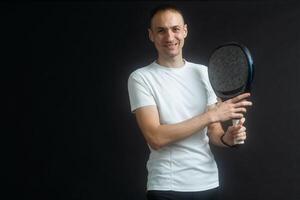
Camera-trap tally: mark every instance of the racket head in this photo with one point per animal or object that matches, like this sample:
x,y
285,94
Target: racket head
x,y
230,70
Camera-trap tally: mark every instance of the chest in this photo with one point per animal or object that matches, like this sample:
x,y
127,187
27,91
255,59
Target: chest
x,y
179,97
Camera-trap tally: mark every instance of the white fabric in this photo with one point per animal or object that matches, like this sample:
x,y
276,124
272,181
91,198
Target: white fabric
x,y
179,94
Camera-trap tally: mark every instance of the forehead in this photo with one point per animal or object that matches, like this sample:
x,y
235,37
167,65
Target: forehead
x,y
168,18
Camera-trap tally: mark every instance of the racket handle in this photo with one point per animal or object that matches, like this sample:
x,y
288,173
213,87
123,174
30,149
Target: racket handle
x,y
236,141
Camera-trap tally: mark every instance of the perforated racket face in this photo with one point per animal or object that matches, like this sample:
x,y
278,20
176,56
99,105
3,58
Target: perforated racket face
x,y
228,71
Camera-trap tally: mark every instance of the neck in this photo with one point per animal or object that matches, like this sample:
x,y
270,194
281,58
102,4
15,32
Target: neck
x,y
171,62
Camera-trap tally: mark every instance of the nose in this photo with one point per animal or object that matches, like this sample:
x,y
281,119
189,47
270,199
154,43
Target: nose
x,y
169,35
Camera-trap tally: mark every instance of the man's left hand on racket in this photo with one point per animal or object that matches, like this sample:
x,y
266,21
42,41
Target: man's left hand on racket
x,y
235,133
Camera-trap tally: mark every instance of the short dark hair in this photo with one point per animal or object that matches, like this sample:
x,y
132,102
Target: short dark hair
x,y
163,7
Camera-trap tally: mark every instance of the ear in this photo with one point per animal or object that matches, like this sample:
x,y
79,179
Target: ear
x,y
150,33
185,30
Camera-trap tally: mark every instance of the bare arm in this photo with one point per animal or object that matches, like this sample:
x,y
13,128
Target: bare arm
x,y
158,135
214,132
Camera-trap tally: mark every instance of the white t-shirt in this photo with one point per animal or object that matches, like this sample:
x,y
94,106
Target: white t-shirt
x,y
179,94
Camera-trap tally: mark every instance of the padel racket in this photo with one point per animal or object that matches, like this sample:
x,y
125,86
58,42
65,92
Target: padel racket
x,y
231,71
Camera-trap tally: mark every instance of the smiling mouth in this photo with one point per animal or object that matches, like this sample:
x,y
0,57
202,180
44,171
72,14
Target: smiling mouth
x,y
172,45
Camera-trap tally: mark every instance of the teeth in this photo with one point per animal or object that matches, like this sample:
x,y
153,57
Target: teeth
x,y
170,45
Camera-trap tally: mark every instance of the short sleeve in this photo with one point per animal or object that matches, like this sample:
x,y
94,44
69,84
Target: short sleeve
x,y
211,96
139,93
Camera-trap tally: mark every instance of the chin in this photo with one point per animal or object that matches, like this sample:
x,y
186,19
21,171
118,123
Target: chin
x,y
173,54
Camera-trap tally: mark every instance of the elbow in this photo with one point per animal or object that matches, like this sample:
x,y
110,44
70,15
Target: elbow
x,y
156,146
156,143
155,139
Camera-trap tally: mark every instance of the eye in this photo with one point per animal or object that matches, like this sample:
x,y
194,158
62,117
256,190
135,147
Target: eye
x,y
176,29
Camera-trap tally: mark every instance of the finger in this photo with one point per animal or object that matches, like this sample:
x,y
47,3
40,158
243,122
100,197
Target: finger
x,y
241,136
243,103
240,139
233,130
242,129
240,97
239,110
236,130
237,116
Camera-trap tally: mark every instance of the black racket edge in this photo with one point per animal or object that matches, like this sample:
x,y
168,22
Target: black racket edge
x,y
247,53
250,67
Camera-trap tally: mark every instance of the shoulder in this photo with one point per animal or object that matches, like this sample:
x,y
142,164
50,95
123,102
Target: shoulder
x,y
141,72
197,66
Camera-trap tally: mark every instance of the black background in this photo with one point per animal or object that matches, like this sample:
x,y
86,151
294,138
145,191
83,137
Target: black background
x,y
70,131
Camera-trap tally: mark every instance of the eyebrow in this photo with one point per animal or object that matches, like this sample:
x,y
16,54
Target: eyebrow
x,y
160,27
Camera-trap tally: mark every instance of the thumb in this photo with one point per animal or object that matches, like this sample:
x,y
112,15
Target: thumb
x,y
242,121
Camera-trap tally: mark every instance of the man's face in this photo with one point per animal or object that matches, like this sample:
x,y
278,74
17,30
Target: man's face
x,y
167,33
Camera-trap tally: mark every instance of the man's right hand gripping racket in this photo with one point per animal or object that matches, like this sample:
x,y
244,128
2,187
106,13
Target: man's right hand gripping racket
x,y
231,71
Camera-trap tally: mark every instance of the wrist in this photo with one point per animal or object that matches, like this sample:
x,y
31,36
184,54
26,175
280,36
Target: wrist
x,y
226,143
211,117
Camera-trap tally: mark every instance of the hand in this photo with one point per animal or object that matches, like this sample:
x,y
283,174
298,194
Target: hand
x,y
235,132
231,109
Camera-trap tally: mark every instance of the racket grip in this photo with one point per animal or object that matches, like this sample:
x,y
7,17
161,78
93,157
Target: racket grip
x,y
236,141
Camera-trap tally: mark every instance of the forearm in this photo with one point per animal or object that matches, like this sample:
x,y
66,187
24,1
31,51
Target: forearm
x,y
159,135
166,134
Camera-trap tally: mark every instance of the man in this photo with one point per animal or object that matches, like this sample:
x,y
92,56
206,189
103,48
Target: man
x,y
178,114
